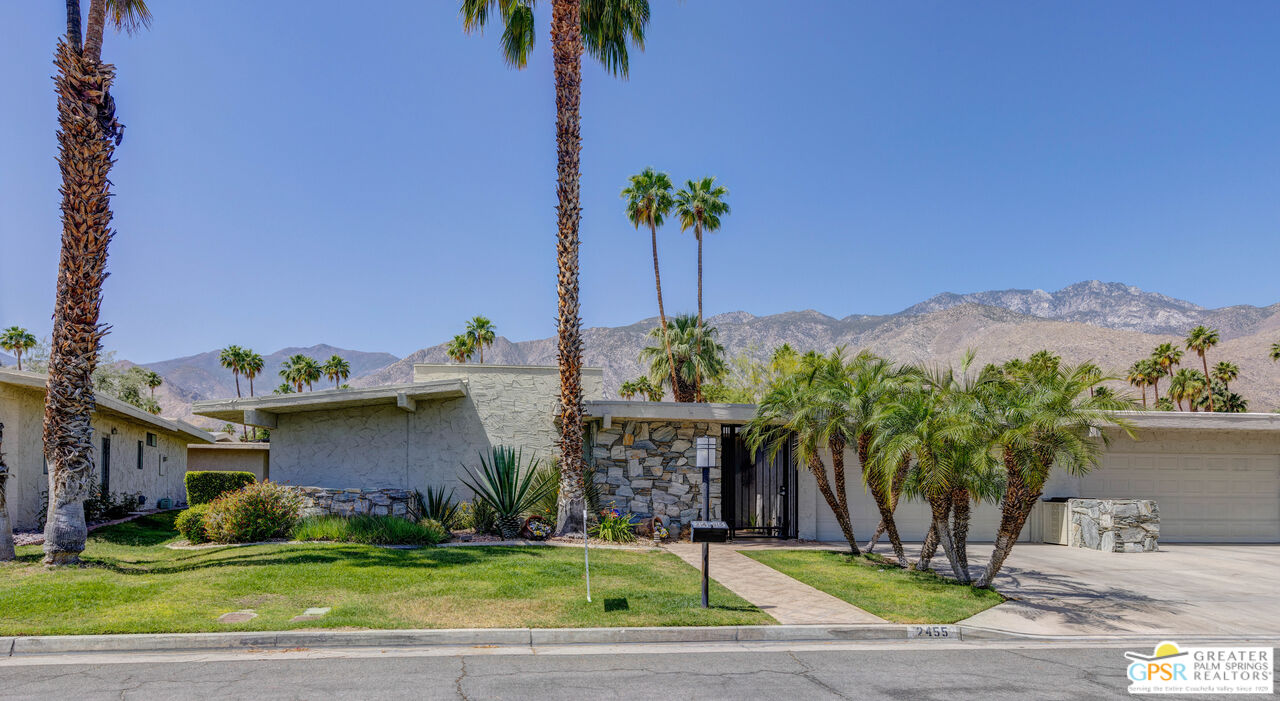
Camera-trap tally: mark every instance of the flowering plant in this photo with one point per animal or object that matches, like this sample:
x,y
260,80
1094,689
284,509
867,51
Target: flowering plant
x,y
614,526
540,530
660,531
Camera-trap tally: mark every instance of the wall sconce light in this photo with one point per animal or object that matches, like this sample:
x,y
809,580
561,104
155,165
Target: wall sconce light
x,y
114,431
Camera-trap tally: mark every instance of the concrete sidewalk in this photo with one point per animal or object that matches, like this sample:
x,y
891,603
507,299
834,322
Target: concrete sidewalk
x,y
789,601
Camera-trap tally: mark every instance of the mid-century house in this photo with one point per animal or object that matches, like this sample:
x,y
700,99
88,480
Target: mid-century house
x,y
1215,477
135,453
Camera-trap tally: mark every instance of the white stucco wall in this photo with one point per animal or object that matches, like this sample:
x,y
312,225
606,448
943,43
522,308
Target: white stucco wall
x,y
228,457
22,412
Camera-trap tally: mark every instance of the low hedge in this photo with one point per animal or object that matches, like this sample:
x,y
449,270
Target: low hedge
x,y
205,486
190,523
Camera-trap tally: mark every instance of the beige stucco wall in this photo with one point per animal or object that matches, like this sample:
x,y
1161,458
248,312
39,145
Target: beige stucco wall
x,y
228,457
386,447
22,412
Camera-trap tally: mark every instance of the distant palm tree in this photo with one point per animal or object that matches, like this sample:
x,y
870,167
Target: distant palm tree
x,y
649,201
336,369
1200,340
1167,356
482,334
1138,378
641,386
1187,384
461,348
1275,351
153,380
17,340
251,367
299,370
232,358
700,205
283,388
699,358
1225,372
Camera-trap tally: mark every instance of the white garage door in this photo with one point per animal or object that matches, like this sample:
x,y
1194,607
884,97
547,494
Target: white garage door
x,y
912,519
1202,498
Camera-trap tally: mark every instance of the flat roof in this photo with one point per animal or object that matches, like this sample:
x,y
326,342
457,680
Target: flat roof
x,y
230,446
670,411
1201,420
261,411
109,405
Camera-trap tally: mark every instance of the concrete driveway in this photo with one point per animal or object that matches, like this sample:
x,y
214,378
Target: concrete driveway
x,y
1189,589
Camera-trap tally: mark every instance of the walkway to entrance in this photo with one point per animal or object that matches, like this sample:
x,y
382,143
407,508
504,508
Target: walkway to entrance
x,y
787,600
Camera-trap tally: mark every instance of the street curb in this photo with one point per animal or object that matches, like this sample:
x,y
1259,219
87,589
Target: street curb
x,y
525,637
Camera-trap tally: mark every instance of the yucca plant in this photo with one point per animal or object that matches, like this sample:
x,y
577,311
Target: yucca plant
x,y
435,504
508,485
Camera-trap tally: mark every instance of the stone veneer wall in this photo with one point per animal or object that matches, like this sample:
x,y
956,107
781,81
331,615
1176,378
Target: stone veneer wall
x,y
1115,525
657,474
323,501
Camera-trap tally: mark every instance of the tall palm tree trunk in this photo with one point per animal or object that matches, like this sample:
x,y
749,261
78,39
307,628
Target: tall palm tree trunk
x,y
837,444
86,143
1208,383
928,547
881,499
1144,396
819,471
1016,505
960,514
1155,387
697,233
566,40
895,491
662,314
6,527
941,508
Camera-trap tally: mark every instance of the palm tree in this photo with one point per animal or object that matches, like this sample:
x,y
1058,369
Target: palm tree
x,y
604,28
461,348
251,366
299,370
17,340
283,388
482,333
649,201
792,412
1187,384
1225,372
336,369
698,358
700,205
640,386
309,371
153,380
1045,419
1200,340
233,359
1275,351
1139,378
88,133
1167,356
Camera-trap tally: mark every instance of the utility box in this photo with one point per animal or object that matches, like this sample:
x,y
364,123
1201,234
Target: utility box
x,y
709,532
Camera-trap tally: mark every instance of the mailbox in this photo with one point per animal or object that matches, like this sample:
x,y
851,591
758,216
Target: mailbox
x,y
708,532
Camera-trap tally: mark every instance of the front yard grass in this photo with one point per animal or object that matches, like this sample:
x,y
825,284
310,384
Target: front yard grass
x,y
131,583
882,589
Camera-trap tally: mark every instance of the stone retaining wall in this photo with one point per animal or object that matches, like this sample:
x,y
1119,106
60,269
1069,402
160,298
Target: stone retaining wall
x,y
649,468
323,501
1115,525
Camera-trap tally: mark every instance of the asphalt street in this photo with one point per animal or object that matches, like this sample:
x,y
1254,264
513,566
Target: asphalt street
x,y
916,671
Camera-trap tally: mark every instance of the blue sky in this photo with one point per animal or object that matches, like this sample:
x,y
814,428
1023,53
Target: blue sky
x,y
296,173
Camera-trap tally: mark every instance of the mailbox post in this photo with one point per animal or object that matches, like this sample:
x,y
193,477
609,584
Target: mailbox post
x,y
707,531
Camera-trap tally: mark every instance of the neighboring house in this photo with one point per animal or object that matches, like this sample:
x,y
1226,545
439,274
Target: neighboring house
x,y
1216,477
229,454
134,452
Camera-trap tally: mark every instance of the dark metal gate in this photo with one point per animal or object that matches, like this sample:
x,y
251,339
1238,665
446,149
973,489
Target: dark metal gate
x,y
759,493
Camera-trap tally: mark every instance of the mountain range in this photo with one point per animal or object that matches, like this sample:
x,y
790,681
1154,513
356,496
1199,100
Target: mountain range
x,y
1111,324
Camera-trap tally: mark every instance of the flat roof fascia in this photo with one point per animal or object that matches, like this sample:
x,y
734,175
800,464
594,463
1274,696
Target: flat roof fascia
x,y
325,400
670,411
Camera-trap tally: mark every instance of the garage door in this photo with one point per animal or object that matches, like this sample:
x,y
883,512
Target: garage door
x,y
1202,498
912,519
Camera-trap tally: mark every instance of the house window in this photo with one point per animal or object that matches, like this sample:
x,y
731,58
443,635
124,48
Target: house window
x,y
139,455
151,440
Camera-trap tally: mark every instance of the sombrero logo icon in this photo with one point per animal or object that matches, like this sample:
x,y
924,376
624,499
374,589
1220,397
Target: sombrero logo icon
x,y
1170,669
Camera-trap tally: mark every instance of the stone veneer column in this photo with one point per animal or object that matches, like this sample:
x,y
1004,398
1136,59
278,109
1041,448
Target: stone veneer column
x,y
649,469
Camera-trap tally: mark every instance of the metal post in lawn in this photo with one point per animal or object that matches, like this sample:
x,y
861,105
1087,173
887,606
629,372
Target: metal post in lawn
x,y
706,457
586,553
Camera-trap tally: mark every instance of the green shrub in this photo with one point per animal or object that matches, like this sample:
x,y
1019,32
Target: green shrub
x,y
190,523
478,516
369,530
509,485
205,486
439,506
105,506
614,527
259,511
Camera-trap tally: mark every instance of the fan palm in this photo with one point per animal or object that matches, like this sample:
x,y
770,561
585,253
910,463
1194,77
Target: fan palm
x,y
640,386
299,370
1200,340
153,380
649,201
509,485
17,340
233,359
1167,356
1139,378
461,348
604,28
482,333
88,134
1225,372
698,358
1045,419
336,369
700,204
1274,354
251,367
1187,384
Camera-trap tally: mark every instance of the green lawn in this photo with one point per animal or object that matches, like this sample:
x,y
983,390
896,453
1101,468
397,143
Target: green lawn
x,y
133,584
891,593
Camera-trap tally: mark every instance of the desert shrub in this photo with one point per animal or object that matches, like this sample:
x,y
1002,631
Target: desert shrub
x,y
509,485
614,527
105,506
259,511
369,530
190,523
548,481
205,486
439,506
478,516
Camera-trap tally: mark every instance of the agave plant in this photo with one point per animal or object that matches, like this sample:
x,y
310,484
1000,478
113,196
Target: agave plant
x,y
439,506
508,485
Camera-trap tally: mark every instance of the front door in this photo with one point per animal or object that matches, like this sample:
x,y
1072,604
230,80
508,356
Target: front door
x,y
758,492
106,465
